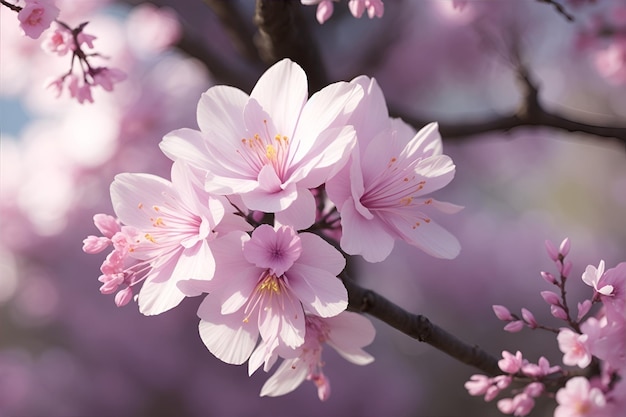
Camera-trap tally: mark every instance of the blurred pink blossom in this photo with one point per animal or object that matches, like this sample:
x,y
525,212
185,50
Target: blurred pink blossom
x,y
579,399
36,16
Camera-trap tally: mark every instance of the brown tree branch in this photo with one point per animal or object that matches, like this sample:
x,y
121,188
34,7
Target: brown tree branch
x,y
530,113
418,327
559,8
283,33
239,29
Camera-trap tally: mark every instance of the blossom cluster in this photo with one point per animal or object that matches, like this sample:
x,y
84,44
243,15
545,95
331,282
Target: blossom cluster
x,y
325,8
40,16
595,343
259,201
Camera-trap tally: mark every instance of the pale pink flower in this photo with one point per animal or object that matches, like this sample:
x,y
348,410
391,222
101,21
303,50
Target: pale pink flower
x,y
540,369
575,347
347,333
107,77
511,363
324,8
520,405
273,146
59,41
579,399
382,192
152,29
375,8
592,276
263,284
36,16
606,340
175,224
478,384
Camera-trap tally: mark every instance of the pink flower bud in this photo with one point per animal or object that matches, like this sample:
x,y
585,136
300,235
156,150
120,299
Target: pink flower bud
x,y
478,384
502,313
551,298
558,312
514,326
492,392
567,268
107,225
553,253
503,381
95,244
506,406
123,297
509,363
565,247
548,277
583,309
529,318
534,389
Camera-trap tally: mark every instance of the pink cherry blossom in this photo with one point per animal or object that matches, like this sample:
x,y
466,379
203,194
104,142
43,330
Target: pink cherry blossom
x,y
273,146
520,405
36,16
375,8
579,399
79,90
263,284
575,348
615,300
511,363
592,275
611,61
382,192
175,224
540,369
347,333
58,41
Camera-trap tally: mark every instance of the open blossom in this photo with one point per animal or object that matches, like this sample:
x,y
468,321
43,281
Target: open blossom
x,y
382,193
273,146
347,333
166,237
575,347
36,16
58,41
106,77
262,285
579,399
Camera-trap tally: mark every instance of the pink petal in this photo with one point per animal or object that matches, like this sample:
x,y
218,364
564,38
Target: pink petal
x,y
368,238
426,143
128,191
318,290
227,337
220,111
371,116
270,196
316,252
187,145
159,293
282,92
429,237
301,212
287,378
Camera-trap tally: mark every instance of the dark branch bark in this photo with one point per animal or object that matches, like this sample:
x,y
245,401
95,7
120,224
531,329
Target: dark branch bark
x,y
239,30
283,33
530,112
418,327
559,8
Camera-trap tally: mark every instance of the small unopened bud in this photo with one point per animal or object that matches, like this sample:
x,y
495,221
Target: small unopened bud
x,y
553,253
534,389
548,277
514,326
558,312
564,248
123,297
567,268
529,318
583,309
551,298
502,312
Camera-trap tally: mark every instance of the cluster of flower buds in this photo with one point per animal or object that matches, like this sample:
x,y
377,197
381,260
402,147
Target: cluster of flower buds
x,y
36,17
596,344
325,8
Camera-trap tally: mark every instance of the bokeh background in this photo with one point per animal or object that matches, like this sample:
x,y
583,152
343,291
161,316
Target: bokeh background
x,y
67,350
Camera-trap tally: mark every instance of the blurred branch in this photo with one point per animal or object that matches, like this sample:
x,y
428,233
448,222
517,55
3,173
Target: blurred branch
x,y
559,8
530,112
239,30
418,327
283,33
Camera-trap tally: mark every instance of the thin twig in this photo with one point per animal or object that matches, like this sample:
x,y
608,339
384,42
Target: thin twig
x,y
559,8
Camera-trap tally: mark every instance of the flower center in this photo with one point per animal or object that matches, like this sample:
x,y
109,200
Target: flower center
x,y
265,149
